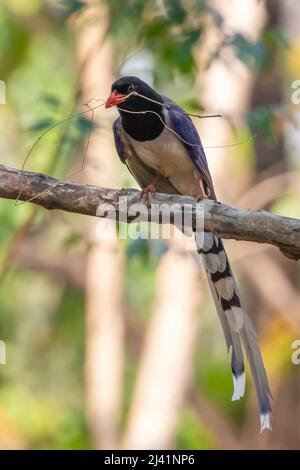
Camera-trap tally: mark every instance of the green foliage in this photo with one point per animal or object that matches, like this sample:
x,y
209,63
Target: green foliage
x,y
254,54
142,258
149,250
170,37
259,55
262,121
205,7
45,359
192,434
287,205
15,41
42,125
70,7
72,239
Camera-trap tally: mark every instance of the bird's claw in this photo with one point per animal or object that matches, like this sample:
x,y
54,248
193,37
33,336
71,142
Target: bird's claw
x,y
201,194
200,197
150,189
145,193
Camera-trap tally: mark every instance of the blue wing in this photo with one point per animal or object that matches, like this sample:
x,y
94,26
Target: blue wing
x,y
118,139
182,124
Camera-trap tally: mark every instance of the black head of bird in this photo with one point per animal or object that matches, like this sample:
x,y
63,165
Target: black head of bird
x,y
140,107
133,94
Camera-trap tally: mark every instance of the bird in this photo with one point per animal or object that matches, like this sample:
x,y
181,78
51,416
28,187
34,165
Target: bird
x,y
160,145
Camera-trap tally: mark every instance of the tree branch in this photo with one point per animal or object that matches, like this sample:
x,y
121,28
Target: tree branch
x,y
223,220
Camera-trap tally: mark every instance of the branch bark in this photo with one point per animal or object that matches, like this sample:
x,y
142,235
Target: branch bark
x,y
223,220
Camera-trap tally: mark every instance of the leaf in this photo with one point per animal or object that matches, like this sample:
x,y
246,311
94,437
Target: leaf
x,y
276,37
84,125
201,4
138,247
262,120
251,53
41,125
51,100
70,7
175,13
72,239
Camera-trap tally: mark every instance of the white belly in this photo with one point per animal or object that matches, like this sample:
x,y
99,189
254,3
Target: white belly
x,y
169,158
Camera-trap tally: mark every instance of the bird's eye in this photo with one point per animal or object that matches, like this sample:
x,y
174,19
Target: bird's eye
x,y
131,88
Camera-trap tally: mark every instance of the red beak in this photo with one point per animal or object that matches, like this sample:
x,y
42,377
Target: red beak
x,y
114,99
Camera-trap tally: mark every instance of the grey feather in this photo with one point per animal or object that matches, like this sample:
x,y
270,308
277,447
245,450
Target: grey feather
x,y
237,328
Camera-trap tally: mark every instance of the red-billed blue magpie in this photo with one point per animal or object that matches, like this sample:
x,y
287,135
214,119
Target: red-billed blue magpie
x,y
159,144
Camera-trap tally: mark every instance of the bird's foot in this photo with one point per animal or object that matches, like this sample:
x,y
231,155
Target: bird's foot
x,y
200,197
201,194
150,189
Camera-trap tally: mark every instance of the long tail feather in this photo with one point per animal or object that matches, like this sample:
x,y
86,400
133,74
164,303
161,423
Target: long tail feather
x,y
237,326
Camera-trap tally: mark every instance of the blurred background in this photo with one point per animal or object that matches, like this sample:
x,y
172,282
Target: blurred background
x,y
116,344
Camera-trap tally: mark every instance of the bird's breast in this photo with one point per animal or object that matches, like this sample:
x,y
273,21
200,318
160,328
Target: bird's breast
x,y
165,154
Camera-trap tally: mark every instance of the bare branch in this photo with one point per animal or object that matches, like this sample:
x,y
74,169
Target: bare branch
x,y
223,220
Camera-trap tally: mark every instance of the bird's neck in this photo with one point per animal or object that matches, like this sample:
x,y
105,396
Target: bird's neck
x,y
144,126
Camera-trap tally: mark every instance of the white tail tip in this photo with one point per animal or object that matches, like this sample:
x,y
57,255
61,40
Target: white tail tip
x,y
265,422
238,386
